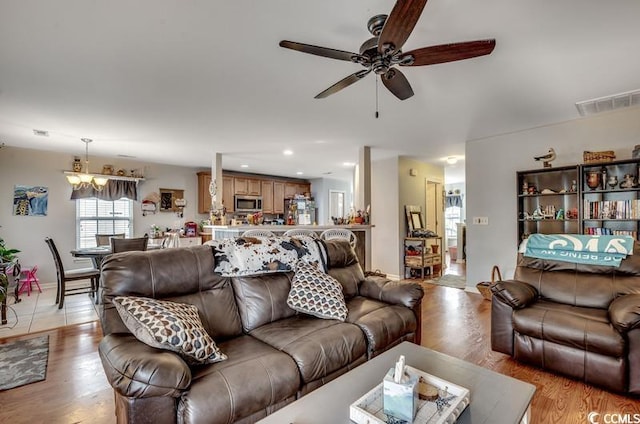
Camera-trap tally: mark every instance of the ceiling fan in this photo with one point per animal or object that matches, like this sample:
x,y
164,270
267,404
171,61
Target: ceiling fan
x,y
382,52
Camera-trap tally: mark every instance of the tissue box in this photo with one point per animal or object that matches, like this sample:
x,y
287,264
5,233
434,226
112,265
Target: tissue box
x,y
400,400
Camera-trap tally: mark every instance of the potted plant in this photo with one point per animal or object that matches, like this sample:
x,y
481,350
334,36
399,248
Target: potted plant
x,y
7,255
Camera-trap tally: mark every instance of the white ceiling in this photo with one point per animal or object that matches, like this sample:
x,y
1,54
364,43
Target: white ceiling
x,y
174,81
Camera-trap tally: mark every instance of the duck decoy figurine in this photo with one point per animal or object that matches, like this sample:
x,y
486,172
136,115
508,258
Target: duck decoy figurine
x,y
547,158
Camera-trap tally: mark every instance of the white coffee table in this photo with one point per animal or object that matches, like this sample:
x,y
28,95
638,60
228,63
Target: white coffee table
x,y
495,398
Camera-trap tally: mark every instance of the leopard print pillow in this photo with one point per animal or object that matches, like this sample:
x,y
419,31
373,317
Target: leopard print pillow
x,y
169,325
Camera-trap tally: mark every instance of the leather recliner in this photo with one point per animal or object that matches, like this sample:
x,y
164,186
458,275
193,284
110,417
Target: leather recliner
x,y
582,321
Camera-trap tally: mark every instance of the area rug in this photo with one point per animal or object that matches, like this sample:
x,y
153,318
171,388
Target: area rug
x,y
23,362
450,280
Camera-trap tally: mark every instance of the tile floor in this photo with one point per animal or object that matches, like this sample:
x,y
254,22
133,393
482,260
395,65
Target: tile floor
x,y
38,311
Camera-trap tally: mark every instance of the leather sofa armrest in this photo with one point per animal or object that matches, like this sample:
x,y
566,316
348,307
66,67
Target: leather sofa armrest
x,y
403,293
515,293
624,312
137,370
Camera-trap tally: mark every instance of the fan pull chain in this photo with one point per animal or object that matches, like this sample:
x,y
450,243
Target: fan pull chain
x,y
377,114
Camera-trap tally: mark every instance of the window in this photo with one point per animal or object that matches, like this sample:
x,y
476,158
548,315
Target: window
x,y
452,215
94,216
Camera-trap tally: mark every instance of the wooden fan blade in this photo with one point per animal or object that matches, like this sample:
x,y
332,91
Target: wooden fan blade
x,y
397,83
399,24
343,83
449,52
319,51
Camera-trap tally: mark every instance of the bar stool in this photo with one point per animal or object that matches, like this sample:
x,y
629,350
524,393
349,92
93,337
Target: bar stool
x,y
28,278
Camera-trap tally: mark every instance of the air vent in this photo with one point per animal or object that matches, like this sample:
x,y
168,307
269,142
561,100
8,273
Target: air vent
x,y
41,133
609,103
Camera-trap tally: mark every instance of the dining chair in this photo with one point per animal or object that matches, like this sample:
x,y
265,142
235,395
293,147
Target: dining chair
x,y
339,233
91,274
258,233
300,232
103,239
128,245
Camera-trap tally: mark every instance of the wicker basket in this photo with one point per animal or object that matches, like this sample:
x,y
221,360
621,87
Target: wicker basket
x,y
598,157
484,287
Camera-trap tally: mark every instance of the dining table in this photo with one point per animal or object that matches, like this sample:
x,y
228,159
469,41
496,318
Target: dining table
x,y
96,254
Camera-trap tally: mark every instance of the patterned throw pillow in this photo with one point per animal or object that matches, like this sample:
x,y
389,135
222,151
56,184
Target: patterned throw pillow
x,y
316,293
169,325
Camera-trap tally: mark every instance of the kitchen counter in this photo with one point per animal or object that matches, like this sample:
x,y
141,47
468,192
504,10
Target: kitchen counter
x,y
362,232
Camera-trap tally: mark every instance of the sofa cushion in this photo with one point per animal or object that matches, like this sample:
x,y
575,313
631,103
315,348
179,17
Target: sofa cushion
x,y
344,266
169,325
316,293
383,324
318,346
255,377
262,299
586,329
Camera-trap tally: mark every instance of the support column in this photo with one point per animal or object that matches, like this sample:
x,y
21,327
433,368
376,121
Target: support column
x,y
362,192
362,179
216,178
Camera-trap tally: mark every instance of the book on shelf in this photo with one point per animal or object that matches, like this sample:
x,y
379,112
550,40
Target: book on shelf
x,y
599,231
611,209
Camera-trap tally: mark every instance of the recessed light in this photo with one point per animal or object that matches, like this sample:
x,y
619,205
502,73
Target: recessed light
x,y
299,173
288,152
348,164
244,165
41,133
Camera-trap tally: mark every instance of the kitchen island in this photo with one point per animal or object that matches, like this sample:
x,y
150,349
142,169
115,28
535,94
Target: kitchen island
x,y
362,232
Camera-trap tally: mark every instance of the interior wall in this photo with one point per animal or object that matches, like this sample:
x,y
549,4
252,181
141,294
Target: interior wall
x,y
33,167
385,215
413,191
491,166
320,190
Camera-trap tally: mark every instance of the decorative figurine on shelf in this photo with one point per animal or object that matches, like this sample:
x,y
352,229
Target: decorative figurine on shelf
x,y
537,214
532,189
629,181
612,181
77,165
560,214
547,158
574,186
525,187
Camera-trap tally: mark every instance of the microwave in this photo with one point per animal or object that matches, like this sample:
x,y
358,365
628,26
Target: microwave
x,y
247,204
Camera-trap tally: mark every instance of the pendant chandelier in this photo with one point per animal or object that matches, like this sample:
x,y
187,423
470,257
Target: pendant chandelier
x,y
83,180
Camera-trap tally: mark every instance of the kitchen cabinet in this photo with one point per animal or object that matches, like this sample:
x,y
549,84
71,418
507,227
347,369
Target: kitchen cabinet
x,y
247,186
548,201
423,256
278,197
291,189
227,193
267,196
204,198
189,241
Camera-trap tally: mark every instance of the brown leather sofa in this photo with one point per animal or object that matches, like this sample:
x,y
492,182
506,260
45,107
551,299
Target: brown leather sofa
x,y
275,355
582,321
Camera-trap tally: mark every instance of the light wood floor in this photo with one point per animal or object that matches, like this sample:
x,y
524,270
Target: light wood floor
x,y
454,322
